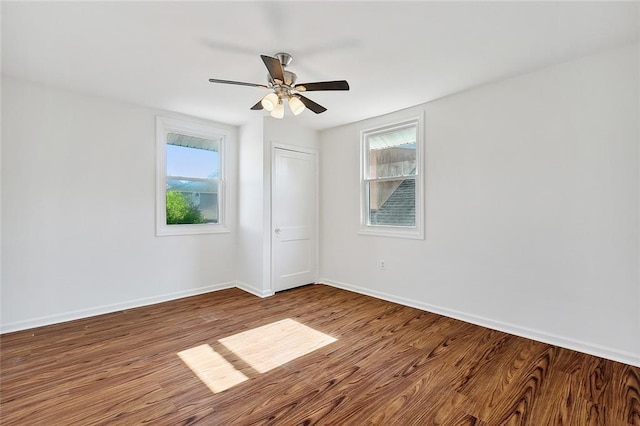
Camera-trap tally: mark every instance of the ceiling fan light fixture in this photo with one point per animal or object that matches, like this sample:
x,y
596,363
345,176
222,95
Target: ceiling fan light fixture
x,y
278,111
270,101
296,105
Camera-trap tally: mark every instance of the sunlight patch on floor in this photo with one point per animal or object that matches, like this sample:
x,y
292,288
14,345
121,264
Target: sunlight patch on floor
x,y
269,346
262,348
211,368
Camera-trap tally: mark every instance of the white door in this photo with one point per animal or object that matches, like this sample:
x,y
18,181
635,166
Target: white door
x,y
293,219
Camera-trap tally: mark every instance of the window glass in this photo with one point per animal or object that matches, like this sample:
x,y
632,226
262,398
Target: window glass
x,y
392,203
391,194
195,200
190,178
192,162
393,153
191,202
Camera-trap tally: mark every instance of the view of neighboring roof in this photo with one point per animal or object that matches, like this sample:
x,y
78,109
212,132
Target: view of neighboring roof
x,y
400,208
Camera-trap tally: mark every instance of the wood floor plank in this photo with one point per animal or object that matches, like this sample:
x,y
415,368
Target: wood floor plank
x,y
390,365
624,399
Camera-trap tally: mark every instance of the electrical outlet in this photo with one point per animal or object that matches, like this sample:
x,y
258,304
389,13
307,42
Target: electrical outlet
x,y
382,265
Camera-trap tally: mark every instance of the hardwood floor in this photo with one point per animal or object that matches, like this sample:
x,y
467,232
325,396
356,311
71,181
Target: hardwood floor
x,y
388,365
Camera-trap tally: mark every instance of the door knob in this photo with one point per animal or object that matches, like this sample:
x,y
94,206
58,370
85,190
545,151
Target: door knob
x,y
277,230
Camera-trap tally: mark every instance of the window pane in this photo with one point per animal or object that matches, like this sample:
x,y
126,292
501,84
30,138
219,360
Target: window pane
x,y
192,157
191,201
393,153
392,203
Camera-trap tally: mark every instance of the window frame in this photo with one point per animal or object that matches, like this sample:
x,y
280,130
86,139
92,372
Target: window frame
x,y
412,232
164,126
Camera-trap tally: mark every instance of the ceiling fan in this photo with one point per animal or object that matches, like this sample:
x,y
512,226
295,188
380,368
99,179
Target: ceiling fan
x,y
282,82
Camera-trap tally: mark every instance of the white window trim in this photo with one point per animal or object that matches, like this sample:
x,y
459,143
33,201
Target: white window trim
x,y
164,126
413,232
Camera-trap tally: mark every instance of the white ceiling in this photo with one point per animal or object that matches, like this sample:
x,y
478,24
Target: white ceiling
x,y
394,55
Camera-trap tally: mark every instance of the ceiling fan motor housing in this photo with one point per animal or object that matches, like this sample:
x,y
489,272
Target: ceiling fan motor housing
x,y
289,78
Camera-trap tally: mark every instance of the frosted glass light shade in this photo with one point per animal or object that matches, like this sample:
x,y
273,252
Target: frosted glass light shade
x,y
296,105
270,101
278,111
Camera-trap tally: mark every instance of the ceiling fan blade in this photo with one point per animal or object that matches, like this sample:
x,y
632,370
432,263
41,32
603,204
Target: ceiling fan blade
x,y
274,66
323,85
317,108
257,106
238,83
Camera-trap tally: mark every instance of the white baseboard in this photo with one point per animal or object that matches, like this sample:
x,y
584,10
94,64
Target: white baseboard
x,y
254,290
106,309
552,339
588,348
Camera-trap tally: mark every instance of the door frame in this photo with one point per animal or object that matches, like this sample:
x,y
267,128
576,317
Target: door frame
x,y
316,225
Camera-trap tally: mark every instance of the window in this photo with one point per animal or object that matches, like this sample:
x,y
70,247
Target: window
x,y
391,182
190,178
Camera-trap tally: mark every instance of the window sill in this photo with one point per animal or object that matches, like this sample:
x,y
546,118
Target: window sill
x,y
173,230
393,232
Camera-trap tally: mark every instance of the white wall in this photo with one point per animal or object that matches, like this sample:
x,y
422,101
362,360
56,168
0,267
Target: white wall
x,y
289,132
251,232
531,209
257,140
282,133
78,209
